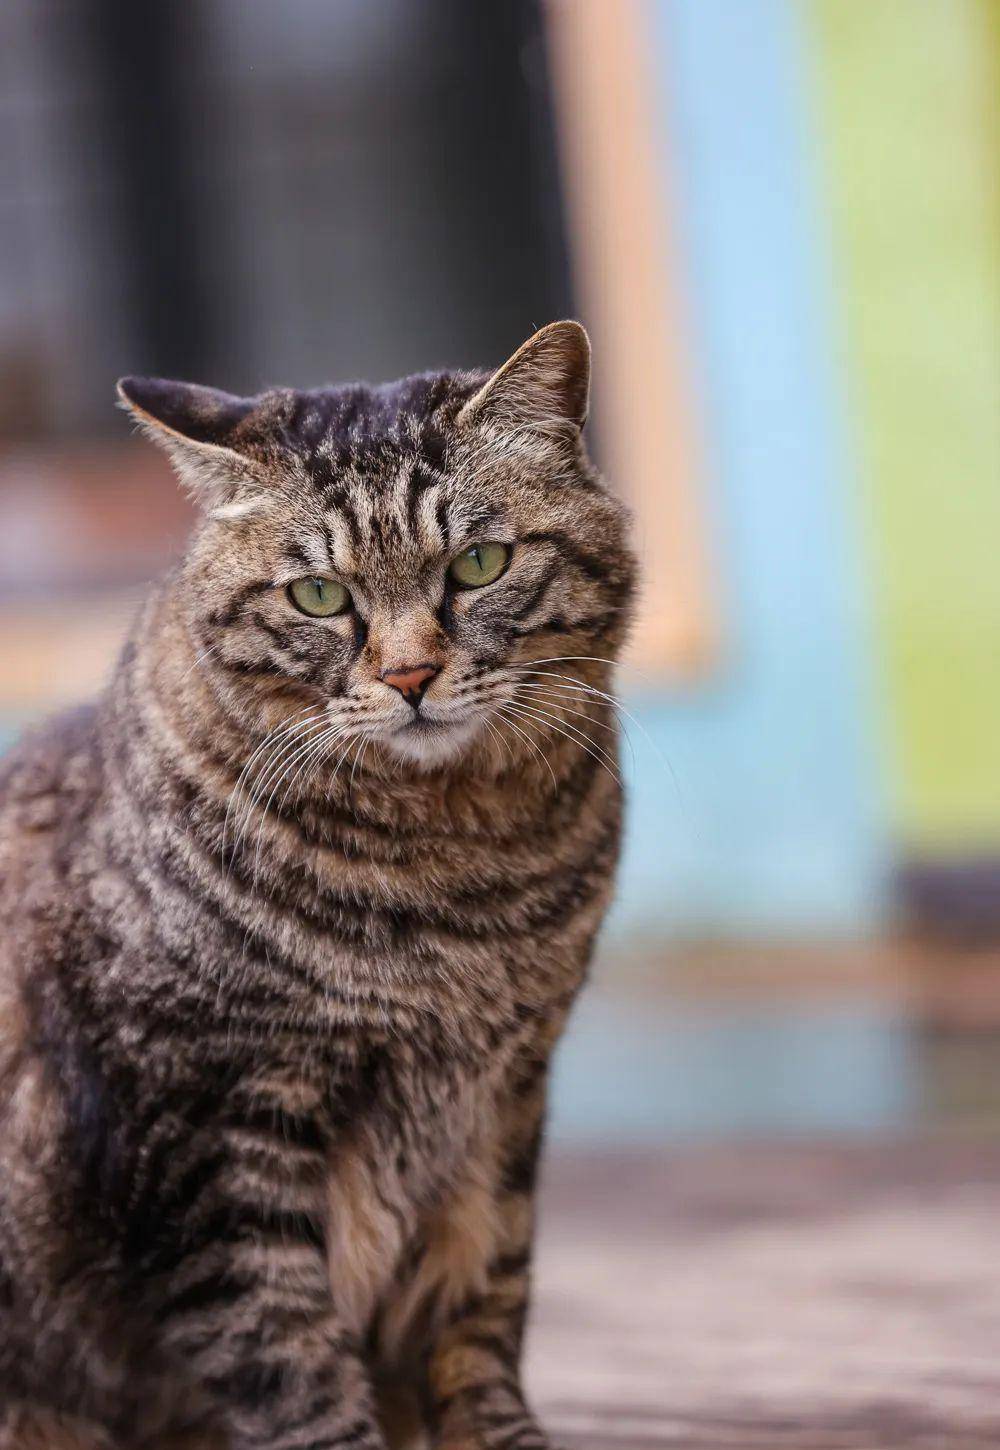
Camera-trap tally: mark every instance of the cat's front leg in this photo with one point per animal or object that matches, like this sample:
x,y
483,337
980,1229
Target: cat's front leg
x,y
249,1306
286,1381
473,1370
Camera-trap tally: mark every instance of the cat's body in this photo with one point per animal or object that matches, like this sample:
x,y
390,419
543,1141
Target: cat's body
x,y
273,1056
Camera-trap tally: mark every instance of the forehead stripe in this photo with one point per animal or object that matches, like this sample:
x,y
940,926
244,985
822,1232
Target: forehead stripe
x,y
335,496
441,514
417,484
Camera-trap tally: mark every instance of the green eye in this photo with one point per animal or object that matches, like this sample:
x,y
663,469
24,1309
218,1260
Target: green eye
x,y
319,597
478,565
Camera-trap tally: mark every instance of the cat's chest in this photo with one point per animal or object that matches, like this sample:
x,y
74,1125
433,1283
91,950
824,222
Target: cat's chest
x,y
425,1129
417,1113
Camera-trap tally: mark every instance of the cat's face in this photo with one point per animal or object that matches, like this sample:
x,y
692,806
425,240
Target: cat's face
x,y
385,561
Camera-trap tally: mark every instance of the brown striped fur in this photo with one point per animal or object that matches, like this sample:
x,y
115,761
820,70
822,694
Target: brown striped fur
x,y
284,954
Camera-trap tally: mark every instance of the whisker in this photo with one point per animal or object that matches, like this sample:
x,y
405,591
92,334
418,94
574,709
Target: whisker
x,y
311,754
366,740
297,759
495,733
532,744
585,742
315,749
286,728
663,760
613,700
568,659
315,757
567,727
198,659
283,727
342,757
270,738
325,756
270,755
558,703
271,769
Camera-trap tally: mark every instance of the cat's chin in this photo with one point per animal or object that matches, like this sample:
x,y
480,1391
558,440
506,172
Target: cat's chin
x,y
430,744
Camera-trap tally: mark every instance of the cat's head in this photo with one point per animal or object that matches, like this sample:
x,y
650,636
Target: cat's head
x,y
393,556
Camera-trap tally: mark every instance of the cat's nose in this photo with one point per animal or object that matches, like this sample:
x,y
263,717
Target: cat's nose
x,y
411,681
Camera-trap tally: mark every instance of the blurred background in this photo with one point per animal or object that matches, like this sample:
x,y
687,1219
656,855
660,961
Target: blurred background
x,y
780,220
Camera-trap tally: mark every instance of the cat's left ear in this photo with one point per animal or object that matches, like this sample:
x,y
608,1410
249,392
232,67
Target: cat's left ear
x,y
200,428
545,384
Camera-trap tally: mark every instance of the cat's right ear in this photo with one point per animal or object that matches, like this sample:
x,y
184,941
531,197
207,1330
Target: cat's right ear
x,y
201,431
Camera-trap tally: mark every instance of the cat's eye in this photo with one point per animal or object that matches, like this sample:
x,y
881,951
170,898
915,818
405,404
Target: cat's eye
x,y
479,564
319,597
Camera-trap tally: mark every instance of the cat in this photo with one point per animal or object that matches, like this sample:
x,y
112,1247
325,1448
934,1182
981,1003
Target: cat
x,y
292,919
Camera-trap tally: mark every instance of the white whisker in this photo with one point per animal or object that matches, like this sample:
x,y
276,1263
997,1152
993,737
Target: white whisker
x,y
298,740
198,660
365,741
495,733
271,739
563,659
562,727
559,703
617,704
311,755
299,756
543,692
532,744
270,752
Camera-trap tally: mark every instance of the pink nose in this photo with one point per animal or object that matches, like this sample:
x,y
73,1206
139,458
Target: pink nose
x,y
411,681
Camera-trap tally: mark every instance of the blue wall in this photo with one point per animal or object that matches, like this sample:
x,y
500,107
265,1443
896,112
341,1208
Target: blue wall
x,y
781,827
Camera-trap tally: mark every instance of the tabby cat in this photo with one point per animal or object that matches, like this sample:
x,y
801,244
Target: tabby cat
x,y
292,918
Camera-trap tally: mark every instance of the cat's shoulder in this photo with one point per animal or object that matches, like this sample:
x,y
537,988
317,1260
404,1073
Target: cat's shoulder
x,y
59,757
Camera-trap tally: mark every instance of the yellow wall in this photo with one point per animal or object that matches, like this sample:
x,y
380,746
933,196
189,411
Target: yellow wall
x,y
910,93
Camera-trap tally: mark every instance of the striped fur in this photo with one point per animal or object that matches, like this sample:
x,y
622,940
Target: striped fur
x,y
283,962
